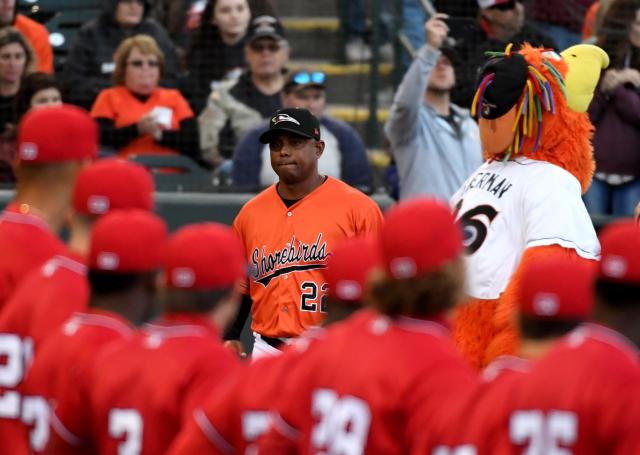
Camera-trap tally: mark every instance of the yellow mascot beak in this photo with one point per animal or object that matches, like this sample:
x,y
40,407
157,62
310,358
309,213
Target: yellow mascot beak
x,y
585,62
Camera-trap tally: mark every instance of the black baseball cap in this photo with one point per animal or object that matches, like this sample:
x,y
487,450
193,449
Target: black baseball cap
x,y
293,120
510,78
450,53
265,27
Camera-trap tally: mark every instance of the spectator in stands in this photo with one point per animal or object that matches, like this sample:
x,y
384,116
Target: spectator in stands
x,y
16,60
435,143
615,112
235,108
38,90
500,22
36,34
137,116
593,20
344,156
90,65
216,51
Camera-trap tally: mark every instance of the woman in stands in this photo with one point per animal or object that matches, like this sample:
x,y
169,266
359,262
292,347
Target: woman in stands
x,y
216,51
137,116
16,61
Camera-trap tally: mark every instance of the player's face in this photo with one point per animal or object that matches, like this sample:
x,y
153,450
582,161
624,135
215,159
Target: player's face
x,y
443,77
295,158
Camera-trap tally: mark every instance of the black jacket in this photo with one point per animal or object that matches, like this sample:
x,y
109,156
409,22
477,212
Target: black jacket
x,y
89,67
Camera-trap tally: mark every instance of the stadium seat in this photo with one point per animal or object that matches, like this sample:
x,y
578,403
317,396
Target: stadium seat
x,y
176,173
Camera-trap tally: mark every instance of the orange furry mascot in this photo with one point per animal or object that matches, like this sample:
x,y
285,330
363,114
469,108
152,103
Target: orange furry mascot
x,y
525,201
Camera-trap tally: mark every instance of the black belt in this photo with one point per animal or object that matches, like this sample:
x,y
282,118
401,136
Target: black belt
x,y
274,342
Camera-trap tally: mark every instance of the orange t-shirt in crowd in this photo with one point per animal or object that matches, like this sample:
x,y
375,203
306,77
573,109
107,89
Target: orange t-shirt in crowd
x,y
121,106
589,24
38,37
287,249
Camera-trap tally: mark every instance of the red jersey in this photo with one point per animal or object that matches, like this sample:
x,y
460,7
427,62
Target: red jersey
x,y
239,413
359,391
582,398
154,382
26,241
288,253
43,300
60,376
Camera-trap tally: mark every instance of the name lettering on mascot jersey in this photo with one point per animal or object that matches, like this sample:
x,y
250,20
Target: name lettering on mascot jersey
x,y
294,257
491,182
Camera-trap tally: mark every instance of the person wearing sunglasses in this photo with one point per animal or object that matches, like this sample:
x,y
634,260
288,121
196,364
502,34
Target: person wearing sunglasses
x,y
138,116
90,64
235,108
499,22
344,156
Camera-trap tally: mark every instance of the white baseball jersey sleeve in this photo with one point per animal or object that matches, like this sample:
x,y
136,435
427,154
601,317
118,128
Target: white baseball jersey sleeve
x,y
508,207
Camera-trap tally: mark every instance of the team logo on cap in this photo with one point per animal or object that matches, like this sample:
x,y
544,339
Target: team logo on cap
x,y
98,205
284,118
108,261
183,277
403,267
348,290
614,266
28,151
546,304
486,108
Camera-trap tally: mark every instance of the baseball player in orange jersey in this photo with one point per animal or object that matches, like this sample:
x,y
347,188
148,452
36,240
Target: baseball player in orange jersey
x,y
123,260
291,228
203,266
53,145
235,416
49,294
555,297
341,398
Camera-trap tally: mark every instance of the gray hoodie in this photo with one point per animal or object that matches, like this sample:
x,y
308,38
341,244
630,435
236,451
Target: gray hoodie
x,y
433,158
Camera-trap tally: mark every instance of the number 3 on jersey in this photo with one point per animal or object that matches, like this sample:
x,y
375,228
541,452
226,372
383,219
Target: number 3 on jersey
x,y
126,425
475,229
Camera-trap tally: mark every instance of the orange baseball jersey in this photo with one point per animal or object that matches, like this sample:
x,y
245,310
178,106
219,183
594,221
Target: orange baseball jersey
x,y
26,241
121,106
236,415
342,398
581,398
44,299
287,249
60,375
154,382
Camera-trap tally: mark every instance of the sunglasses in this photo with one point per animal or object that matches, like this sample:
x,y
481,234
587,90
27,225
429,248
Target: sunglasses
x,y
507,6
304,77
261,47
141,63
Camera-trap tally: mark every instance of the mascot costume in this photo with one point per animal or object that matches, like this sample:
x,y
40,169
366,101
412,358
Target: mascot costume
x,y
525,200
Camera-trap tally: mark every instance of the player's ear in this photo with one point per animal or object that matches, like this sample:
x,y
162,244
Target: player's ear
x,y
319,148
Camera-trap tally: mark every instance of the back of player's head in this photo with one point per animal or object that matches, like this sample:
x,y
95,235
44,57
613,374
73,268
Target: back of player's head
x,y
112,184
348,269
421,247
618,281
125,246
202,263
556,294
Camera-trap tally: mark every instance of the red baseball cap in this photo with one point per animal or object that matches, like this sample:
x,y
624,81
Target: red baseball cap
x,y
349,266
557,287
113,183
204,256
620,255
419,236
127,241
57,134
